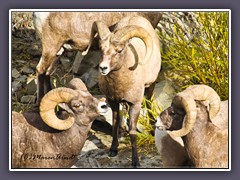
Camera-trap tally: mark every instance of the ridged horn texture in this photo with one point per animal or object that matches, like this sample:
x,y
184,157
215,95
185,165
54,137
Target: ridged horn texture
x,y
102,30
48,104
186,100
128,32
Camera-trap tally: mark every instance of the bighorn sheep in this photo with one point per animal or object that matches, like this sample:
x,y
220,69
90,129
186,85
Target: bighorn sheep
x,y
188,117
59,29
50,142
130,63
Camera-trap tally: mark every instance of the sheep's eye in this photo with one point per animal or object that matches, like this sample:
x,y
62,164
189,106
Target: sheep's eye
x,y
119,50
78,105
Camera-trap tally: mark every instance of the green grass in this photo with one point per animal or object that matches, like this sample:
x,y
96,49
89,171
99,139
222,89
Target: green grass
x,y
147,120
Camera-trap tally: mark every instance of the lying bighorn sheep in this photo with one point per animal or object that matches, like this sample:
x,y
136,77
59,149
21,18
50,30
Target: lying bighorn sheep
x,y
59,29
206,144
49,142
130,63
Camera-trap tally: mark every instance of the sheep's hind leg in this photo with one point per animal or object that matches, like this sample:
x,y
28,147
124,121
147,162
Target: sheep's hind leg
x,y
115,127
134,114
148,95
149,91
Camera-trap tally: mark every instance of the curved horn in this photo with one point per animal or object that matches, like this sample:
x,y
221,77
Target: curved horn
x,y
102,30
186,99
48,104
189,105
127,32
77,84
201,92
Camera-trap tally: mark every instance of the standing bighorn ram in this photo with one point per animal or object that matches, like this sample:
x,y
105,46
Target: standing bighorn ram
x,y
56,29
205,136
130,63
48,141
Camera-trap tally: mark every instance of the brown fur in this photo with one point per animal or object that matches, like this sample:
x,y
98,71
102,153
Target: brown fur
x,y
210,150
36,145
127,84
206,144
73,27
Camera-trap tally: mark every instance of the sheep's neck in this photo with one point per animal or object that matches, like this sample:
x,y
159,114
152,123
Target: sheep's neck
x,y
197,142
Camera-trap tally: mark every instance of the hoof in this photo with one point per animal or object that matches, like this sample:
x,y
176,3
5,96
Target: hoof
x,y
113,153
136,165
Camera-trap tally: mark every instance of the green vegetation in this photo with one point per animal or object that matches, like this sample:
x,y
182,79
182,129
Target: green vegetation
x,y
195,50
147,120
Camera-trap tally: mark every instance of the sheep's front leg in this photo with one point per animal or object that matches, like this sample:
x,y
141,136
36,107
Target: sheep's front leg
x,y
45,65
133,115
43,86
115,127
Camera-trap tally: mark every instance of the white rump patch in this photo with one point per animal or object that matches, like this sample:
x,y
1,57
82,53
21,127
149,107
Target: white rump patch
x,y
39,19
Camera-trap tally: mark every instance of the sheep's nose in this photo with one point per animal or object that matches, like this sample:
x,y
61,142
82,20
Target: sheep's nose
x,y
103,68
102,108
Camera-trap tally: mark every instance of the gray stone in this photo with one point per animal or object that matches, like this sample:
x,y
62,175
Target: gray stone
x,y
15,86
77,61
90,78
22,78
15,73
21,61
164,93
27,70
29,99
31,87
66,62
83,64
141,128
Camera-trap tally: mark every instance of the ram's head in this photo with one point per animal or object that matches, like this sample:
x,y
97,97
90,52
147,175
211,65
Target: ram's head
x,y
181,116
78,102
113,45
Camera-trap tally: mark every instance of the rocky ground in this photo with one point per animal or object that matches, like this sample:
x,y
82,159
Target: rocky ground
x,y
26,52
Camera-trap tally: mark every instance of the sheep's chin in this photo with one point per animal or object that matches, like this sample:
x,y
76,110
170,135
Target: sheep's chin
x,y
104,73
159,125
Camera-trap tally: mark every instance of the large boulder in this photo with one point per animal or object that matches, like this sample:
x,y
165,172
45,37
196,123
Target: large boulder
x,y
164,93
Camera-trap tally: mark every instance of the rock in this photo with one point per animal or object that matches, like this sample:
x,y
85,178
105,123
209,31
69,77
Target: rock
x,y
141,128
21,61
83,64
88,146
29,99
31,86
15,73
66,62
34,50
15,86
77,61
22,78
27,70
90,78
164,93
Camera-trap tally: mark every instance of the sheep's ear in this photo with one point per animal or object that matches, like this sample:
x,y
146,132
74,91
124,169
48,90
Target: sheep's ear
x,y
206,103
65,107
